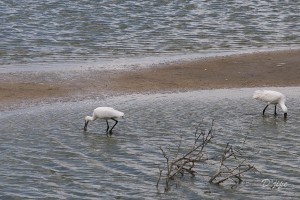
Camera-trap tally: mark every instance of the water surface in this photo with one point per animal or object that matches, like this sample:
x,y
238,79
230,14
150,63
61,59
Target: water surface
x,y
52,31
44,152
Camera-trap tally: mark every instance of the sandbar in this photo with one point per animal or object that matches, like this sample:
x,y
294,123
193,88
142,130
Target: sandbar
x,y
257,69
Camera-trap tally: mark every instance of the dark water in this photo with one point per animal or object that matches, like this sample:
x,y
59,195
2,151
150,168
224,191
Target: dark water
x,y
54,31
44,152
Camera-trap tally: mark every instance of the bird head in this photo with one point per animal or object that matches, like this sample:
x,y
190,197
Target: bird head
x,y
283,107
86,121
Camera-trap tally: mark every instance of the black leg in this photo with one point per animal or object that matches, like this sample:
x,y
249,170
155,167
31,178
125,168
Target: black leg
x,y
265,109
110,132
275,113
107,126
85,125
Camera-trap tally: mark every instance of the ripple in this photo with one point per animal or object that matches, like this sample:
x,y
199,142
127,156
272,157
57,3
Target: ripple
x,y
45,153
56,32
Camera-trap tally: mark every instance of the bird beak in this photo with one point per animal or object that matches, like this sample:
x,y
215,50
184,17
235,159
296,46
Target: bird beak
x,y
85,125
285,115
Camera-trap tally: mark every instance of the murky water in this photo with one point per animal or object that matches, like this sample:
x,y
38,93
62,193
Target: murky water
x,y
71,30
45,153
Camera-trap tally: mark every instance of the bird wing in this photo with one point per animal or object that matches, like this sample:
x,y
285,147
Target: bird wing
x,y
107,113
268,96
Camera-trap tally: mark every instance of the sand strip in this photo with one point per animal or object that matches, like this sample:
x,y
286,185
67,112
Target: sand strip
x,y
276,68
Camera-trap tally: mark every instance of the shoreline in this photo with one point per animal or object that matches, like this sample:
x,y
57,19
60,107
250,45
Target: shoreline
x,y
258,69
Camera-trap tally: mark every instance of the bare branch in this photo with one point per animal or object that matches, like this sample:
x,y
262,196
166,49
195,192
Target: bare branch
x,y
231,165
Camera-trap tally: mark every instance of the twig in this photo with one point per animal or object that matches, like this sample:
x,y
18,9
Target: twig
x,y
185,162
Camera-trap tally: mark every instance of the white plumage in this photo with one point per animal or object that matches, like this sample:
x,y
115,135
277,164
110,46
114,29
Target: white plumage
x,y
105,113
271,97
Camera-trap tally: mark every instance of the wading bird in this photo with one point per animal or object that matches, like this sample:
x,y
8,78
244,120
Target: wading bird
x,y
104,113
271,97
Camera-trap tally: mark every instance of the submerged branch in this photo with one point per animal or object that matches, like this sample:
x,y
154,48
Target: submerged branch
x,y
231,166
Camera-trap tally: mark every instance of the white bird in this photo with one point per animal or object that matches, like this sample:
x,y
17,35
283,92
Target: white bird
x,y
271,97
104,113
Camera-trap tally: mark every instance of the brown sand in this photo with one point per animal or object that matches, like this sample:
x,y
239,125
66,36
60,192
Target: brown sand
x,y
276,68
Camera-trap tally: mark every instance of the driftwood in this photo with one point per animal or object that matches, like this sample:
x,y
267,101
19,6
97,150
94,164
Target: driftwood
x,y
232,171
181,162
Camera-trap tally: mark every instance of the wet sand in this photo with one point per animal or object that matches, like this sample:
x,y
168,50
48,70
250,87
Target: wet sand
x,y
275,68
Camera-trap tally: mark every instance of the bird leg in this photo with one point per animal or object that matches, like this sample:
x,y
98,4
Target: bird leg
x,y
110,132
85,125
275,113
265,109
107,126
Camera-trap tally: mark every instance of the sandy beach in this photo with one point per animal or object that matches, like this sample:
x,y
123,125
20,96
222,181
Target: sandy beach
x,y
274,68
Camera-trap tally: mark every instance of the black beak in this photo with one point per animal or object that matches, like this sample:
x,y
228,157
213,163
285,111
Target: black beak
x,y
85,126
285,115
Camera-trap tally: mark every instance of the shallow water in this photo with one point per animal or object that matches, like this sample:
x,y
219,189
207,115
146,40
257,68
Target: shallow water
x,y
45,153
58,31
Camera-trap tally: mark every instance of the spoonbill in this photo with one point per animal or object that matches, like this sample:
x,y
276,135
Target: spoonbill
x,y
271,97
104,113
